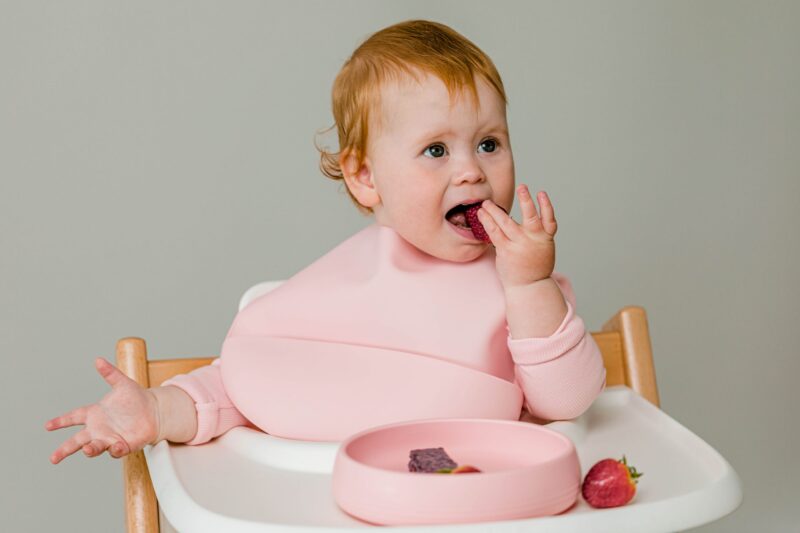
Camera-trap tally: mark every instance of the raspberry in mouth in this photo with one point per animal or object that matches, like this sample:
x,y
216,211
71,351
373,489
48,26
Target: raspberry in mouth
x,y
475,225
466,216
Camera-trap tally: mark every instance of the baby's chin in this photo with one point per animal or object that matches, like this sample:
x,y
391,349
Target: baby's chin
x,y
444,246
460,254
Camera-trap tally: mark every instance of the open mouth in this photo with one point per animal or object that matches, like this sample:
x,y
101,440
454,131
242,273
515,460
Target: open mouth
x,y
458,215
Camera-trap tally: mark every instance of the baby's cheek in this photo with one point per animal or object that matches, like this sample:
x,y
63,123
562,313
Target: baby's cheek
x,y
417,213
508,199
507,185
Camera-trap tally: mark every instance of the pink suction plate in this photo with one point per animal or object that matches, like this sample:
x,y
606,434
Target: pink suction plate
x,y
526,471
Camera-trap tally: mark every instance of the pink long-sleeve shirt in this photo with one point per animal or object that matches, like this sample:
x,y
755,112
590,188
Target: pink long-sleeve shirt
x,y
388,288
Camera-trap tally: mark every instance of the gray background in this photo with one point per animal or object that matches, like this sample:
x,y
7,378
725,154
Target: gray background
x,y
157,160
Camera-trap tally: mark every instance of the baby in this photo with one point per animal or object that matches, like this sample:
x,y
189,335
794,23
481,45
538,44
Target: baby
x,y
421,118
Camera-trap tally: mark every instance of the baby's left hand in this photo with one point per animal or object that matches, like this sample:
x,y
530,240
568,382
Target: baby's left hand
x,y
525,252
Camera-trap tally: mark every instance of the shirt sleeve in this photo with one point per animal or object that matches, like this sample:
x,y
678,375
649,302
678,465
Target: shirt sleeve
x,y
216,413
560,375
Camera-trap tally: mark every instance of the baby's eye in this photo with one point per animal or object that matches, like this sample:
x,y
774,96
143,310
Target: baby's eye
x,y
435,150
489,145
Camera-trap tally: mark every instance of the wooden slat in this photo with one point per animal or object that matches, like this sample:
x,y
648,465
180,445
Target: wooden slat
x,y
631,323
610,344
161,370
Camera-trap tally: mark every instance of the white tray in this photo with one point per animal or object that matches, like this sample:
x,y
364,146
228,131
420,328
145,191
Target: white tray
x,y
246,480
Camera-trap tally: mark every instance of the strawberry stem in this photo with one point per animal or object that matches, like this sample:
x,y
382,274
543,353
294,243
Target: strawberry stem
x,y
631,470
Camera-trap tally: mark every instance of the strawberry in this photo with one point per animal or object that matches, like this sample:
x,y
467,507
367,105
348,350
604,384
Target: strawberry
x,y
465,469
475,224
610,483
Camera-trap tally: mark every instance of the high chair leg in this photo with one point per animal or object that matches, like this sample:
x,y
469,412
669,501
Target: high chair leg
x,y
141,506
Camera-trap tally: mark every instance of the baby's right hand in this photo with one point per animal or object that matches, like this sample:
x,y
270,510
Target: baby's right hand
x,y
123,422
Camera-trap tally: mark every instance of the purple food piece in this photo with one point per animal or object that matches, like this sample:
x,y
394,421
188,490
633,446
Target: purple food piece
x,y
429,460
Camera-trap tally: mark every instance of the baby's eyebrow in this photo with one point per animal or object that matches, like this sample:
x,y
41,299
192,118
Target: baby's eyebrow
x,y
438,134
499,129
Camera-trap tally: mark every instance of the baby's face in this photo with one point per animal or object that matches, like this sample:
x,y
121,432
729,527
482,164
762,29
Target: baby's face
x,y
426,157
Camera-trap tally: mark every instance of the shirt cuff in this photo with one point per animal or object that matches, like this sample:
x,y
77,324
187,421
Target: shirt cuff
x,y
207,409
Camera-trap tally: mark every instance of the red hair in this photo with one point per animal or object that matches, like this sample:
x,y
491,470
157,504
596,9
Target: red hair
x,y
402,49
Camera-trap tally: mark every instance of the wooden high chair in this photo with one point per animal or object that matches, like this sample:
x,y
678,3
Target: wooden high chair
x,y
624,342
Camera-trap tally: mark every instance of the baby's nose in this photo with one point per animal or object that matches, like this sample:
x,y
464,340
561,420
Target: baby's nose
x,y
469,170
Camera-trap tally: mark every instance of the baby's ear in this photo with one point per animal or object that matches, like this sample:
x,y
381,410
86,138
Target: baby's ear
x,y
359,179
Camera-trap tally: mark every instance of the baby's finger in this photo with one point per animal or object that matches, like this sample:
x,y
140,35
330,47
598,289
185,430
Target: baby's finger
x,y
526,204
548,215
119,449
497,217
95,447
73,418
110,373
494,232
70,446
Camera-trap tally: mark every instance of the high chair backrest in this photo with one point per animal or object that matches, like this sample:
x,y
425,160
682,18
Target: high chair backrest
x,y
624,342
